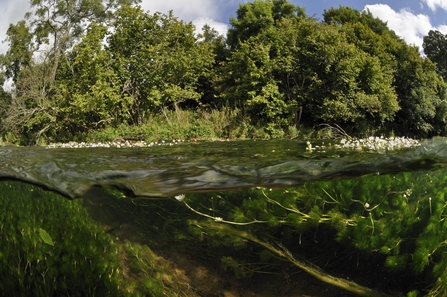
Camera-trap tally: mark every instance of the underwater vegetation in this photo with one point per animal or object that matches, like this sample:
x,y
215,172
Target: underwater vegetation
x,y
394,223
375,235
50,246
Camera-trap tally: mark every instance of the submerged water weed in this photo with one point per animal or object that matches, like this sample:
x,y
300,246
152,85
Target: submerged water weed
x,y
397,219
147,273
240,270
52,247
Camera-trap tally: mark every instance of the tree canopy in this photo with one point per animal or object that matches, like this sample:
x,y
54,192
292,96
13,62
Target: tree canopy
x,y
78,66
435,47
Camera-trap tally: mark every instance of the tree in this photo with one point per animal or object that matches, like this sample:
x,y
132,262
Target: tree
x,y
347,15
253,87
20,52
207,83
420,93
297,69
216,41
63,21
158,59
259,17
341,83
435,47
89,85
251,83
36,108
29,111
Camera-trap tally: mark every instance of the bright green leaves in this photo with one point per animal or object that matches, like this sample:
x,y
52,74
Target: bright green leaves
x,y
411,93
114,64
39,101
45,237
252,19
28,108
259,18
157,58
362,91
422,94
256,69
113,73
51,246
296,65
65,21
343,84
91,84
254,88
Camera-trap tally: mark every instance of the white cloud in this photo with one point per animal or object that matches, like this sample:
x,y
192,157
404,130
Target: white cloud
x,y
200,12
434,4
411,27
186,10
442,29
11,12
219,27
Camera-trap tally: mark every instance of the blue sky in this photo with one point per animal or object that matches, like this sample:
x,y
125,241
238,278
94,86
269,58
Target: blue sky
x,y
409,19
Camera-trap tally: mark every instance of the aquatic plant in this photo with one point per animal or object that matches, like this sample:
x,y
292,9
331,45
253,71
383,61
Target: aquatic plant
x,y
52,247
399,220
370,144
148,274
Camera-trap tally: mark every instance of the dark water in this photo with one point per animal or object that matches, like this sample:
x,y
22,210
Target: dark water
x,y
166,171
360,215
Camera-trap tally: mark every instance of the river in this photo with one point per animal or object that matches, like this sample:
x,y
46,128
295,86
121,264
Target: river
x,y
374,207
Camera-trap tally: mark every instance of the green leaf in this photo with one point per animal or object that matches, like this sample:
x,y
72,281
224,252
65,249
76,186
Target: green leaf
x,y
45,237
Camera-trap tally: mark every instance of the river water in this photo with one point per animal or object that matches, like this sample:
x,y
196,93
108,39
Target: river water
x,y
166,171
131,191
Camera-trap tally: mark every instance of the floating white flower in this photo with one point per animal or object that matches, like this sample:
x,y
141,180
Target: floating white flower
x,y
180,197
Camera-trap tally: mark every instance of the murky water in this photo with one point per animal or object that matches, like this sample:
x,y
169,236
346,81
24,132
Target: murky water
x,y
374,210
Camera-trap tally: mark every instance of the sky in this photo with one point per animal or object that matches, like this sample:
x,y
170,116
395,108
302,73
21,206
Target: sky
x,y
410,19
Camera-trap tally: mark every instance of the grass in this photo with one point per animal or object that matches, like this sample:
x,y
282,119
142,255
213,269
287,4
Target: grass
x,y
198,124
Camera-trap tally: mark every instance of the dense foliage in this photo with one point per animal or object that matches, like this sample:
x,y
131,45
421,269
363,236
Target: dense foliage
x,y
435,46
75,67
52,247
392,223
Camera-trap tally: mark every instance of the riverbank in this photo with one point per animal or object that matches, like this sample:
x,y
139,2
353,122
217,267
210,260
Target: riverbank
x,y
173,127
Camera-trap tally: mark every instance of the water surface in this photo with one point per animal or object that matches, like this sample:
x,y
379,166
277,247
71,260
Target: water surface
x,y
165,171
